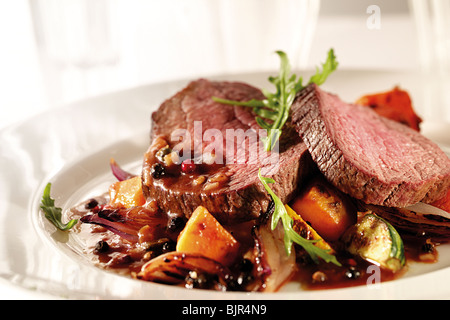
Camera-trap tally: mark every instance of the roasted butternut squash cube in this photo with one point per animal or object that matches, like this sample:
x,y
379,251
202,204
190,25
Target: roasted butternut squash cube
x,y
326,209
306,231
127,193
204,235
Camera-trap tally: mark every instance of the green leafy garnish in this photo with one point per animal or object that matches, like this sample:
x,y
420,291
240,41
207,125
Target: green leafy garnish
x,y
275,108
290,236
328,67
52,213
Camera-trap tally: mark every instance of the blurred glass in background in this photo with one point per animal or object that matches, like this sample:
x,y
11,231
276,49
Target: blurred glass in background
x,y
432,19
58,51
89,46
78,47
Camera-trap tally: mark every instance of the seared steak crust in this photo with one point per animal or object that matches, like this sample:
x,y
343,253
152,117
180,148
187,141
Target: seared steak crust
x,y
242,197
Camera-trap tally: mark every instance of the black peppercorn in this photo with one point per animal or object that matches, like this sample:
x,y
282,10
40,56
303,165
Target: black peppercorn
x,y
102,247
428,247
91,204
157,171
246,266
168,246
176,224
352,273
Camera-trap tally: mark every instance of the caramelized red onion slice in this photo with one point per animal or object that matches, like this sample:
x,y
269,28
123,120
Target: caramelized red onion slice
x,y
127,223
275,266
421,220
425,208
118,172
116,227
175,267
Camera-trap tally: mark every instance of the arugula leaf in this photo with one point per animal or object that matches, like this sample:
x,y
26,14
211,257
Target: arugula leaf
x,y
290,236
329,66
52,213
276,106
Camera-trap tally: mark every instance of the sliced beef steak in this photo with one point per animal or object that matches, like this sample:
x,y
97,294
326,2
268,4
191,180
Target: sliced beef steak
x,y
367,156
230,190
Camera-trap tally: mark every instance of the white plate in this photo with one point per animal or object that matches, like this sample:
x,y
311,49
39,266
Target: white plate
x,y
71,147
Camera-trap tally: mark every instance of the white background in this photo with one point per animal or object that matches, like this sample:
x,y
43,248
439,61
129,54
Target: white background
x,y
148,51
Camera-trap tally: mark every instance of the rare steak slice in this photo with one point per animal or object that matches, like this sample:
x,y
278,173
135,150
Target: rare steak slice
x,y
220,169
372,158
